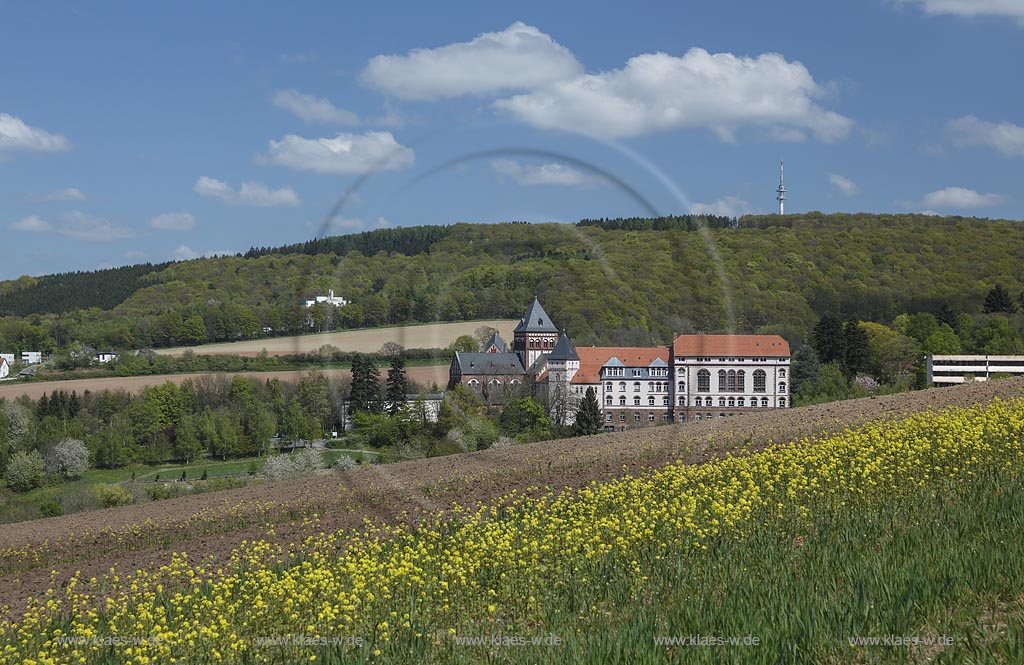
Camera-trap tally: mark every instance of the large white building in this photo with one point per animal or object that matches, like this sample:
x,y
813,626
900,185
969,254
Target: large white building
x,y
329,299
720,375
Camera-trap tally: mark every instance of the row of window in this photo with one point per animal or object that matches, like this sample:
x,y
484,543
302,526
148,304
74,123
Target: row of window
x,y
731,401
492,382
652,386
609,400
637,416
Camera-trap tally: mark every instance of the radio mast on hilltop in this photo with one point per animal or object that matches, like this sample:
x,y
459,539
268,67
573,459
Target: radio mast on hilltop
x,y
781,192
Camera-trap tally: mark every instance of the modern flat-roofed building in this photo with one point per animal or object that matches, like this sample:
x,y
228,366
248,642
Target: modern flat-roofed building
x,y
949,370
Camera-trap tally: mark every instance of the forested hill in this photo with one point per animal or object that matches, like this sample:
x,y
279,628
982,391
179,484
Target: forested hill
x,y
630,281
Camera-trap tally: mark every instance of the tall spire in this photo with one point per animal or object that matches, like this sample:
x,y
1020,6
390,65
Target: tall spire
x,y
781,192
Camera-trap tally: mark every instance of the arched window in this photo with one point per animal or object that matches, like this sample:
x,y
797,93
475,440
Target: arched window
x,y
721,401
707,401
741,377
782,373
650,417
782,386
664,400
721,381
696,401
636,401
650,387
764,401
608,386
782,402
682,387
622,400
622,417
739,401
636,386
622,386
682,401
703,381
682,417
759,381
696,417
608,400
636,416
707,416
650,401
474,383
515,382
608,418
732,381
732,401
494,382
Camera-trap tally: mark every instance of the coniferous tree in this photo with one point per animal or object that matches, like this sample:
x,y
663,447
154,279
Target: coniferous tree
x,y
998,300
856,347
588,415
827,339
365,385
396,385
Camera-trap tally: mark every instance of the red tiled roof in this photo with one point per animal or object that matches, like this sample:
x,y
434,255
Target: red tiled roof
x,y
592,358
730,345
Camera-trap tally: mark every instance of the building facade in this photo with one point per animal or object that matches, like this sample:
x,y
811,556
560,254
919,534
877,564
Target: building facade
x,y
950,370
698,377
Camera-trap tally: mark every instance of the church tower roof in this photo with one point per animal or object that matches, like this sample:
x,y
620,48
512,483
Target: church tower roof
x,y
564,350
536,320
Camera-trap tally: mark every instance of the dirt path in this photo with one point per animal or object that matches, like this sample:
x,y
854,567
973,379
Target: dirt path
x,y
424,375
407,490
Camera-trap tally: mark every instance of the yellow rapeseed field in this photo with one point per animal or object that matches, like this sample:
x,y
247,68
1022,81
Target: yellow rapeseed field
x,y
419,586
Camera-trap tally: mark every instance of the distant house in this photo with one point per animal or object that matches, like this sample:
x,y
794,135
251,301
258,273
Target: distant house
x,y
31,357
9,357
948,370
426,406
105,356
5,368
329,299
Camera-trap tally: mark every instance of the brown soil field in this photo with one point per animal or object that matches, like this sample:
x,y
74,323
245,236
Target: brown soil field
x,y
209,526
427,336
425,375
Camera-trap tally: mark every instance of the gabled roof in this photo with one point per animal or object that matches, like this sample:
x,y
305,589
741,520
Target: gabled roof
x,y
593,358
489,363
536,320
731,345
564,350
658,362
539,365
497,342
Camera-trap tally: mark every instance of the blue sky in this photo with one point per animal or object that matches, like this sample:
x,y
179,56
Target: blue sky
x,y
137,132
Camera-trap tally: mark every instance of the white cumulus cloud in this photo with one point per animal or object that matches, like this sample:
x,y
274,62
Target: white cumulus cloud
x,y
344,154
313,109
66,194
727,206
843,184
1003,137
552,173
76,225
173,221
249,194
659,92
31,224
16,136
518,58
970,8
185,253
960,197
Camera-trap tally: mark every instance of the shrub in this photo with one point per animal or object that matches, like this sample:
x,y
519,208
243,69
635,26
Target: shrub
x,y
51,509
112,496
504,442
345,463
307,460
25,471
68,459
304,462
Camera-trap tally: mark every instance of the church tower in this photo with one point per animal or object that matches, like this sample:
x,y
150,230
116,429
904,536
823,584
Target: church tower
x,y
535,334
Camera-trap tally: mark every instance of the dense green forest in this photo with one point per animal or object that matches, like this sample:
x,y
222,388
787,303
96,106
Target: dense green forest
x,y
102,289
626,281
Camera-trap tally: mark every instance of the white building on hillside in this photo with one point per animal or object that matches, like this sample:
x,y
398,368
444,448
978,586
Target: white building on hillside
x,y
329,299
31,357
